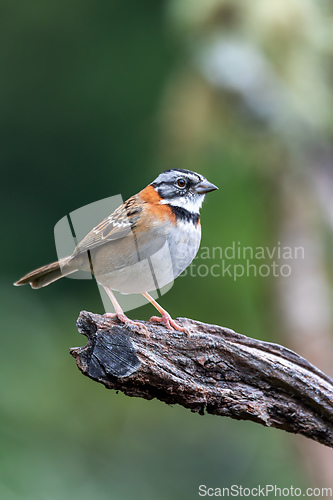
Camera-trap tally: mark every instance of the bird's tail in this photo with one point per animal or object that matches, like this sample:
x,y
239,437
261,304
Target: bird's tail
x,y
47,274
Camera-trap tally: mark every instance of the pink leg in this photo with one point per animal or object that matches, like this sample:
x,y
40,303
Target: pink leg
x,y
119,313
166,318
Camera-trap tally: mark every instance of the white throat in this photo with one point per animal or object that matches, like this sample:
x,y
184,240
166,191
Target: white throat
x,y
192,204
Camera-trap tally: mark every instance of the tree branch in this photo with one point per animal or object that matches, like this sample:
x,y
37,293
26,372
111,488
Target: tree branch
x,y
217,371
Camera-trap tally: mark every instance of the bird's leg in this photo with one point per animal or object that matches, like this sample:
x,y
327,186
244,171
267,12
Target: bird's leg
x,y
119,313
166,318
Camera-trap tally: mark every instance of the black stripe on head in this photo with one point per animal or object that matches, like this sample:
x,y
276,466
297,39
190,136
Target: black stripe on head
x,y
182,171
168,177
185,215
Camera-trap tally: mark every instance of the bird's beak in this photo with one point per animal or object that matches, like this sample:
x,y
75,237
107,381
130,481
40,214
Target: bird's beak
x,y
205,187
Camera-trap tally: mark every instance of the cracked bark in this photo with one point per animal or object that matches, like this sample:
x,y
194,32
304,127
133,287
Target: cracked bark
x,y
217,371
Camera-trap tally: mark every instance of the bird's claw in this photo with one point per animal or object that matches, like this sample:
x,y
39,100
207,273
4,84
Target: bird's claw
x,y
140,327
170,323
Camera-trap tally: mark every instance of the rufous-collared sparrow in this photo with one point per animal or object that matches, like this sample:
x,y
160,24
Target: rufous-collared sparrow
x,y
143,245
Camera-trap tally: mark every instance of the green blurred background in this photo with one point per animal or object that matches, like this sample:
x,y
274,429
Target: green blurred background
x,y
96,99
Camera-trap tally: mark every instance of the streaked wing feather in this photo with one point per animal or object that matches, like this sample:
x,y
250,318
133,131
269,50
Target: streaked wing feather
x,y
118,225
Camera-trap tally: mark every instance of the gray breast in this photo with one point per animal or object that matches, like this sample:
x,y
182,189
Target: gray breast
x,y
145,264
184,242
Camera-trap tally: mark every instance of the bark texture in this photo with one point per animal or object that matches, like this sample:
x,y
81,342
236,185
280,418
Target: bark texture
x,y
216,371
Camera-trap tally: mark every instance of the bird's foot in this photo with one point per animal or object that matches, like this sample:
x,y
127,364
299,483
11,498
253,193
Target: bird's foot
x,y
127,321
170,323
109,315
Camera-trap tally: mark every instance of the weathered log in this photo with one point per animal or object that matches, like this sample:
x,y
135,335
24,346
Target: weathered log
x,y
216,371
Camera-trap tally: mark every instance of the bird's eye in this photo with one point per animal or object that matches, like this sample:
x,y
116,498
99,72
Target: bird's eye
x,y
181,182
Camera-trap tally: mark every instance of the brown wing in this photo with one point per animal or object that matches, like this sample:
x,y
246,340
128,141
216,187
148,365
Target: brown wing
x,y
118,225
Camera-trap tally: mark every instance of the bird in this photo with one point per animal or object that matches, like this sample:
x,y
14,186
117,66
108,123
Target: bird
x,y
146,243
